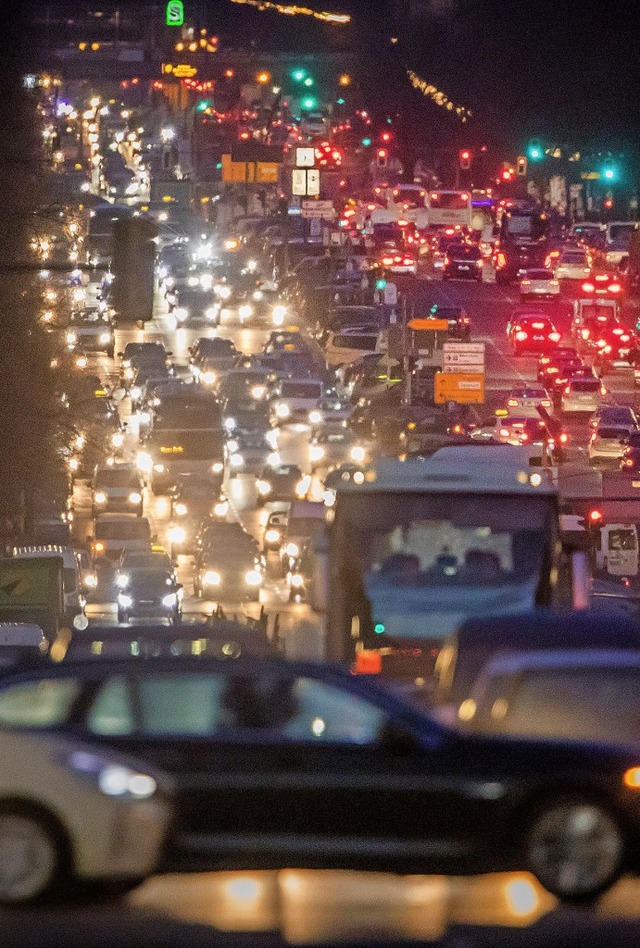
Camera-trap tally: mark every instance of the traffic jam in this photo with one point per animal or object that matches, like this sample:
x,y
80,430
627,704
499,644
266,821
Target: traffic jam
x,y
333,560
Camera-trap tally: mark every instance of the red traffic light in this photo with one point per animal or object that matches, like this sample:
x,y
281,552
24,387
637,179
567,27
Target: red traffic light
x,y
465,159
506,174
382,152
386,136
595,516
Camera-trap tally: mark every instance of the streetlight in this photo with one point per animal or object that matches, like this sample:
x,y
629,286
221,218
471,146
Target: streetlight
x,y
167,134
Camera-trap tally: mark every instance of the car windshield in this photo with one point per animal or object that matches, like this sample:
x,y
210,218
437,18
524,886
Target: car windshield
x,y
300,390
134,529
585,385
112,477
417,564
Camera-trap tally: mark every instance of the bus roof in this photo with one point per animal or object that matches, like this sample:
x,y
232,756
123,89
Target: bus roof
x,y
487,469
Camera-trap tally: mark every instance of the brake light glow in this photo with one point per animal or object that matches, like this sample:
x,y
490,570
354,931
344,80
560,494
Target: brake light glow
x,y
564,437
538,325
368,662
513,403
601,277
504,432
615,288
588,287
521,335
554,336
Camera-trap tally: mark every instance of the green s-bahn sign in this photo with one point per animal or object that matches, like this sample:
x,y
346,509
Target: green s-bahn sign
x,y
175,13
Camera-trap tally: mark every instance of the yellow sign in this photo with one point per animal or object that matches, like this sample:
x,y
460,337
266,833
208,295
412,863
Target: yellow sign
x,y
173,449
467,388
437,325
180,70
590,175
267,172
249,172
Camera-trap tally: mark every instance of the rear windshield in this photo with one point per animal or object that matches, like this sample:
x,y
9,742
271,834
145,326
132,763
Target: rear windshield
x,y
612,434
135,529
460,252
574,257
539,274
585,385
361,343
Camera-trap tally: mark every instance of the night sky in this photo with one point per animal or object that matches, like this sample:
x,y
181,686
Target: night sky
x,y
564,70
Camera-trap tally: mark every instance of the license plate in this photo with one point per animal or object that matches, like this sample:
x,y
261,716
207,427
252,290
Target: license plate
x,y
463,267
538,338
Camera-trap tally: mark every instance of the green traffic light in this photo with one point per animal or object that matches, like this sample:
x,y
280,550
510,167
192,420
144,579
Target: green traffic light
x,y
366,142
340,101
379,628
298,75
308,81
203,105
380,284
535,152
309,103
609,174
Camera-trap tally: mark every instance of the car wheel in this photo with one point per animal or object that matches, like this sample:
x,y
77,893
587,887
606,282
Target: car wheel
x,y
31,857
575,847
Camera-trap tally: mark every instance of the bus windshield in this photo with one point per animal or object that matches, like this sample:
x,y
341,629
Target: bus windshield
x,y
415,565
187,445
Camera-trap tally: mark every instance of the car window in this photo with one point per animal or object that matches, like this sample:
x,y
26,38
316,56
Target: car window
x,y
38,704
112,710
180,704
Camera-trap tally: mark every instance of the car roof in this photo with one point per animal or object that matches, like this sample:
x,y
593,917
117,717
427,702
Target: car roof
x,y
516,662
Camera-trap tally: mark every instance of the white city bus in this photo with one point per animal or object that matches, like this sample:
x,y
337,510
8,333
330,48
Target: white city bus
x,y
449,208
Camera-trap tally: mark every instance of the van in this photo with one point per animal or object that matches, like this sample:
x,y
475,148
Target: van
x,y
617,549
119,533
72,585
353,343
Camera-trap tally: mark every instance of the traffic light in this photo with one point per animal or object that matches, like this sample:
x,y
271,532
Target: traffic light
x,y
609,173
381,157
366,142
203,105
535,151
298,74
465,159
521,165
309,103
386,136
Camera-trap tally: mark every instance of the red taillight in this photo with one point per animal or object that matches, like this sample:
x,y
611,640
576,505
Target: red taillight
x,y
521,335
585,333
554,336
625,338
617,331
564,437
615,288
387,261
588,287
552,370
407,262
567,390
368,662
524,436
545,403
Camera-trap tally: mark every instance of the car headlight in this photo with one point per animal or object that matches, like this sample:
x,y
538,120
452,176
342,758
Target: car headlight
x,y
263,488
209,378
105,338
358,454
211,578
315,417
180,509
114,779
292,549
193,281
274,459
272,535
90,581
135,497
100,497
177,534
221,509
211,312
282,410
217,467
128,373
224,292
253,577
229,423
144,418
71,338
236,460
181,313
124,601
117,439
297,580
278,315
316,452
245,311
170,601
258,295
144,462
122,580
232,446
258,391
135,392
158,468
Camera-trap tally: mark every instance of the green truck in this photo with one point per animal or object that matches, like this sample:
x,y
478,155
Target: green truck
x,y
31,590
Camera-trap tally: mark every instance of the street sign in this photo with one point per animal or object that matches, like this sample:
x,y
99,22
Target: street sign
x,y
590,175
466,388
175,13
298,182
463,357
305,157
322,209
313,182
179,70
435,325
390,294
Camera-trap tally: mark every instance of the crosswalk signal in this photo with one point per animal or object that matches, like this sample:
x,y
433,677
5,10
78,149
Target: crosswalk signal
x,y
465,159
521,165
